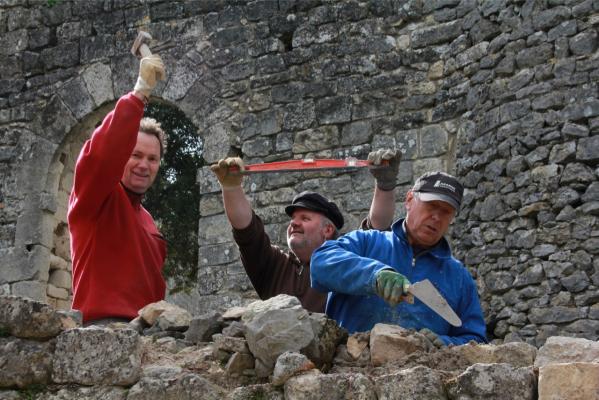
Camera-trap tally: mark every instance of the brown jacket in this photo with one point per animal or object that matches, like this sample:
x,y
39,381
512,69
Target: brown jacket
x,y
273,271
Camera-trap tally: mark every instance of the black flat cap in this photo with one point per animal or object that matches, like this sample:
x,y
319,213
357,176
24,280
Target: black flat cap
x,y
316,202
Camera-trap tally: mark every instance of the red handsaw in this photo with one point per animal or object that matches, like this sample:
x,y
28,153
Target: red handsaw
x,y
309,164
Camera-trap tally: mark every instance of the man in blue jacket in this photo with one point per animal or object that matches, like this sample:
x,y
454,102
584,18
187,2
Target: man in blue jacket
x,y
367,272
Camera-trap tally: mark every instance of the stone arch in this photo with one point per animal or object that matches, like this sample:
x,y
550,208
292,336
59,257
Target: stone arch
x,y
39,264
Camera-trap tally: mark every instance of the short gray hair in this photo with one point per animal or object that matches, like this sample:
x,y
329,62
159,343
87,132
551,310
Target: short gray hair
x,y
152,127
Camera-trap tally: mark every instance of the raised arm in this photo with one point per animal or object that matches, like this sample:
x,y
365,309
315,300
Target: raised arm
x,y
237,205
382,209
102,159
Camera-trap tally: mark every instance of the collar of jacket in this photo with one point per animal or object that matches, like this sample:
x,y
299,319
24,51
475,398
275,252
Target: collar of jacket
x,y
134,198
440,250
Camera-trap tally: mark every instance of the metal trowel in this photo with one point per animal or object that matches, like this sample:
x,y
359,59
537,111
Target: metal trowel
x,y
429,295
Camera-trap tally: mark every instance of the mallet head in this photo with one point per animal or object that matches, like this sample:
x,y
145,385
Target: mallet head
x,y
140,45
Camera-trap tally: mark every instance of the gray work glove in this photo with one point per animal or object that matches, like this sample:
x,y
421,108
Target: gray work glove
x,y
386,178
151,69
226,177
432,338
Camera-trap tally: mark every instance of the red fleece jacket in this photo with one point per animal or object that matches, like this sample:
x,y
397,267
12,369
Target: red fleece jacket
x,y
116,249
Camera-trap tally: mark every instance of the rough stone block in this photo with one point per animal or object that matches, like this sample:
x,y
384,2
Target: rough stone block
x,y
75,95
434,141
421,166
584,43
216,230
94,48
180,80
64,55
551,17
216,143
435,34
391,342
165,384
559,349
356,133
208,183
86,393
298,116
34,290
60,278
288,365
21,265
264,391
276,326
218,254
333,110
259,147
57,120
94,356
14,42
316,139
517,354
25,362
25,318
201,328
239,362
494,382
555,315
314,386
532,56
588,149
57,293
407,142
370,106
98,79
413,383
572,381
327,336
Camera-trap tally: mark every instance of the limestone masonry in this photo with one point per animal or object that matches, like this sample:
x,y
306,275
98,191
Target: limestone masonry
x,y
503,93
168,354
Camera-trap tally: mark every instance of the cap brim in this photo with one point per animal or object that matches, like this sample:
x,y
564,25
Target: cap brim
x,y
424,196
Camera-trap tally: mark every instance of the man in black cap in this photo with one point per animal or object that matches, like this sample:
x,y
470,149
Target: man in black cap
x,y
314,219
369,272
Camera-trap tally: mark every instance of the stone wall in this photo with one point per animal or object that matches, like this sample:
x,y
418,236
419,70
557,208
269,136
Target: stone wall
x,y
502,93
271,350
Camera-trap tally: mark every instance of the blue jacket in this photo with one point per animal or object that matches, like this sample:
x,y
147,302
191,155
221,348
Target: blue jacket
x,y
347,268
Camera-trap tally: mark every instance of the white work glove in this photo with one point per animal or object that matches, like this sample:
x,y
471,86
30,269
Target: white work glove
x,y
151,69
386,177
226,177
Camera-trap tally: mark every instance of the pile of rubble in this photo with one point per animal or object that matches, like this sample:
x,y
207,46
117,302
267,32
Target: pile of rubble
x,y
270,349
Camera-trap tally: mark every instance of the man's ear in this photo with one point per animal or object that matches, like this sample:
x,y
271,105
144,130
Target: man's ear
x,y
409,199
329,231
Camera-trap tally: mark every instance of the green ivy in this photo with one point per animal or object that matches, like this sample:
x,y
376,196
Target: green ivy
x,y
174,198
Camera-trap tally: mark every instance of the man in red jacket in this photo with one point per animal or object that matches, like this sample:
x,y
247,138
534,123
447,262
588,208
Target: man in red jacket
x,y
117,251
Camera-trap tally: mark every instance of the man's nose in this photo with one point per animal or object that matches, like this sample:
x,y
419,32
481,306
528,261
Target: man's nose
x,y
143,163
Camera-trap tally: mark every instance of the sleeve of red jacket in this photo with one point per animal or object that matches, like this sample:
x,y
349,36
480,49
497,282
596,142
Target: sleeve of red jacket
x,y
103,158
